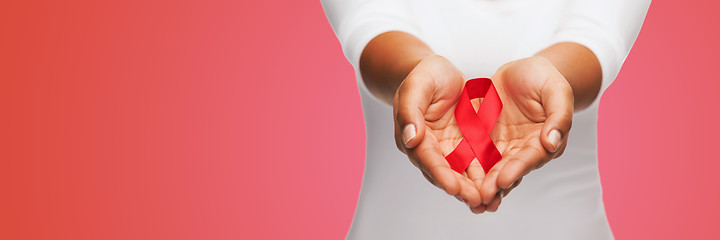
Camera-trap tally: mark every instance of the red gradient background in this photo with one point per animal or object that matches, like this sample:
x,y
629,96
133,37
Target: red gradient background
x,y
241,120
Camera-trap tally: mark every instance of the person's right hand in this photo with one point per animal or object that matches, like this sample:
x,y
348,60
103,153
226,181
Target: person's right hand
x,y
425,127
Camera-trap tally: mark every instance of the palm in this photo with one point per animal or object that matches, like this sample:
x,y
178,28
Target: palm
x,y
444,129
521,120
536,98
443,135
444,132
519,124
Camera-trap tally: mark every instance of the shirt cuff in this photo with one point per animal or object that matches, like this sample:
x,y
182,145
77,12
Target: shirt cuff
x,y
355,41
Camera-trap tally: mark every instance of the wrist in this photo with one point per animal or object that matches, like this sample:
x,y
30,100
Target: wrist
x,y
387,60
408,64
580,68
412,63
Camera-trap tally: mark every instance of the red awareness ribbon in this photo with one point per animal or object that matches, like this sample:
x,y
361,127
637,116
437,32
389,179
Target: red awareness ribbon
x,y
476,127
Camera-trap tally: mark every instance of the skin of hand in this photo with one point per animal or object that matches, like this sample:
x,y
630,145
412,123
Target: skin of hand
x,y
423,88
531,130
520,81
533,125
425,127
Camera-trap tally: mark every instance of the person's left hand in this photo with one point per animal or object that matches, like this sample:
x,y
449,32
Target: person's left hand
x,y
533,126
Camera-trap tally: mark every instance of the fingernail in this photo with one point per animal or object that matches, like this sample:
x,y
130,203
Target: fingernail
x,y
408,133
554,138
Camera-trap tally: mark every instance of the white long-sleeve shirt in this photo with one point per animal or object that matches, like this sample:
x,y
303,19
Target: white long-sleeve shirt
x,y
562,200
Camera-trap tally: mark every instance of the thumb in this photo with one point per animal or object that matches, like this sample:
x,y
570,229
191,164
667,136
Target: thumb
x,y
558,103
412,99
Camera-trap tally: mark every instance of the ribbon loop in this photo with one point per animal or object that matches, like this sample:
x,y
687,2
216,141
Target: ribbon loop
x,y
476,126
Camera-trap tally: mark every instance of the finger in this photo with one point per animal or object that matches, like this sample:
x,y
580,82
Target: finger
x,y
435,168
488,188
513,186
555,155
475,173
494,204
479,209
469,192
557,101
521,163
399,143
560,152
430,161
429,179
412,99
433,163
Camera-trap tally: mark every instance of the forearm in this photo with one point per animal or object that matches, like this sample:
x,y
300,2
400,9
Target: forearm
x,y
388,59
580,68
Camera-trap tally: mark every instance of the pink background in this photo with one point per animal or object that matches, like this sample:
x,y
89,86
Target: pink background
x,y
231,120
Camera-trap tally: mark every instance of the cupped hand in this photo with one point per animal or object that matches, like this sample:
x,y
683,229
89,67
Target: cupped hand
x,y
425,127
533,126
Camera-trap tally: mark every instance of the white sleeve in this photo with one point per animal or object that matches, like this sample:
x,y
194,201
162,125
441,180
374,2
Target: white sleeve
x,y
356,22
607,27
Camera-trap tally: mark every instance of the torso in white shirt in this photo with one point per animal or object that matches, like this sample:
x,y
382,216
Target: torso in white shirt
x,y
562,200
